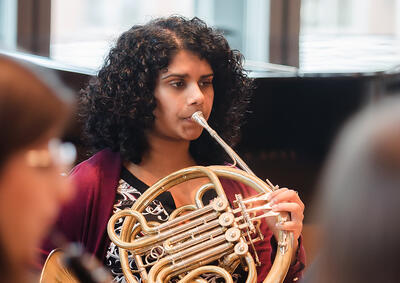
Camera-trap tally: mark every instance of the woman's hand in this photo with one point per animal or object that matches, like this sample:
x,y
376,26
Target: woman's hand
x,y
285,200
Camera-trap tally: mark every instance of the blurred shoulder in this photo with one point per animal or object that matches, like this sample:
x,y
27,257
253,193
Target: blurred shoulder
x,y
104,164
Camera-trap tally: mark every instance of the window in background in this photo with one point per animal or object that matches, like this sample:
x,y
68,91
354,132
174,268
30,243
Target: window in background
x,y
8,24
349,35
82,31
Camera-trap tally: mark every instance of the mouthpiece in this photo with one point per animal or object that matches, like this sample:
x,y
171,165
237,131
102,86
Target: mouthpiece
x,y
199,119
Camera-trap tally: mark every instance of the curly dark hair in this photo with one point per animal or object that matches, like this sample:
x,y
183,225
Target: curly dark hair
x,y
117,106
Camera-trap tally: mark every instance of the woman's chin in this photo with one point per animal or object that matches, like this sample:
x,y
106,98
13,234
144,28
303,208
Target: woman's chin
x,y
194,137
192,134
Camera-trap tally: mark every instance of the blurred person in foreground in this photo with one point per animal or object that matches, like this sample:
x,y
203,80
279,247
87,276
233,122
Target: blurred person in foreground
x,y
34,109
358,206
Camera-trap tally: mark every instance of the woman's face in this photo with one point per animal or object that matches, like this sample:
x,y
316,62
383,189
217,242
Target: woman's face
x,y
31,193
185,87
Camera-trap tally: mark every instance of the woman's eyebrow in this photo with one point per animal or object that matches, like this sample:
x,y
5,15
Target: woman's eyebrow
x,y
208,75
182,76
174,75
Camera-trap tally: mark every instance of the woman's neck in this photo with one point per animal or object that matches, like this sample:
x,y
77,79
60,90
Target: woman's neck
x,y
163,158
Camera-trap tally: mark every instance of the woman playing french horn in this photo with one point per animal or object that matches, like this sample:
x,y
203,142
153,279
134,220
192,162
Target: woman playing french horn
x,y
137,113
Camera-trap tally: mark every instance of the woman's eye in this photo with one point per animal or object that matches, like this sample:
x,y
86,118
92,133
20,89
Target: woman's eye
x,y
177,84
205,83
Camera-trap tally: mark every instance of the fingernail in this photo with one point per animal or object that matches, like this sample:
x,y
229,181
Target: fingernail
x,y
268,206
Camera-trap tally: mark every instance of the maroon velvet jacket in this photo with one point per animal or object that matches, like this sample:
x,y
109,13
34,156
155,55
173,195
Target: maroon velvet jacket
x,y
85,218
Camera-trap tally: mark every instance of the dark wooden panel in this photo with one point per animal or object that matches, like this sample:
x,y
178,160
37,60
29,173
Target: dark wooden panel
x,y
293,123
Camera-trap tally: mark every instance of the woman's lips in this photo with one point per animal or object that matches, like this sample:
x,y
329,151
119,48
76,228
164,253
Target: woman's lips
x,y
189,120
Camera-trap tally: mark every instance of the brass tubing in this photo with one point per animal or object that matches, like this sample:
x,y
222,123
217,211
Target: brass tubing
x,y
199,118
282,260
139,263
151,193
180,255
236,210
207,269
230,262
185,217
179,229
201,238
174,179
141,268
252,272
157,268
203,255
193,250
127,244
134,235
231,268
176,212
194,261
211,259
154,191
258,197
199,229
281,263
245,214
144,242
200,193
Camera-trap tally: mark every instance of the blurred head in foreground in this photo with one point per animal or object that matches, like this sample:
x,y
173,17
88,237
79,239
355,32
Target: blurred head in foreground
x,y
359,201
33,112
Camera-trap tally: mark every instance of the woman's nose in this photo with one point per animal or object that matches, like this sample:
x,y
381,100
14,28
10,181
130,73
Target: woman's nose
x,y
195,96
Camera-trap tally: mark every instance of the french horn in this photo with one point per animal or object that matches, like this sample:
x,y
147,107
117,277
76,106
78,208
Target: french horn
x,y
201,238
